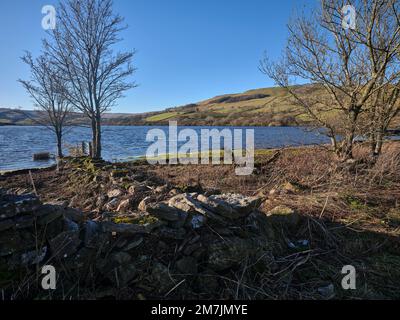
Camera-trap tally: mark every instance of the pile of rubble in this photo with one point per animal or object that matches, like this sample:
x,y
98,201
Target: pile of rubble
x,y
182,247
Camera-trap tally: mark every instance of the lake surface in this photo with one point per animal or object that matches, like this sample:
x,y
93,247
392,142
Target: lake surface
x,y
121,143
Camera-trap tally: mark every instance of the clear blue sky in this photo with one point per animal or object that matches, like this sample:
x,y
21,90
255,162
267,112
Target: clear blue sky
x,y
188,50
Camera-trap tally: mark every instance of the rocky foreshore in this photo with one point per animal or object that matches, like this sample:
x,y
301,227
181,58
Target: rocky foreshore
x,y
180,247
135,231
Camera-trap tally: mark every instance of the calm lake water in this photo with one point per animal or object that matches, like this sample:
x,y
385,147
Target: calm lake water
x,y
18,144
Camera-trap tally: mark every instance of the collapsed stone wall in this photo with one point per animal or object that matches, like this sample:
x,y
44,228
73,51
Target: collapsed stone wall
x,y
178,248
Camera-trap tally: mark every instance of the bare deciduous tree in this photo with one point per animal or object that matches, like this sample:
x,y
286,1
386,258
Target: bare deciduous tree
x,y
348,66
46,90
82,45
383,109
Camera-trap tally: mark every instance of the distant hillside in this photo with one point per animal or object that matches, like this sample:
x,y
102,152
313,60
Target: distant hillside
x,y
259,107
267,106
30,117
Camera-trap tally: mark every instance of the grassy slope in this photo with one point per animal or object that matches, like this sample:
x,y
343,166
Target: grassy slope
x,y
267,106
258,107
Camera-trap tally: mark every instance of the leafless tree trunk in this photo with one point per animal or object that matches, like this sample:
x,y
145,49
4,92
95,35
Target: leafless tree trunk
x,y
82,45
346,67
380,113
46,90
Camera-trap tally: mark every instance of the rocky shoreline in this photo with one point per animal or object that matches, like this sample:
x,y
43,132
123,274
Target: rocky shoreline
x,y
134,231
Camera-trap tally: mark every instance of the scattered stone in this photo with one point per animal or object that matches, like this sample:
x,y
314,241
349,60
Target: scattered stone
x,y
53,214
187,203
161,278
232,206
133,244
138,188
124,228
197,221
172,233
124,205
164,212
144,203
284,215
112,205
161,189
12,205
228,253
114,193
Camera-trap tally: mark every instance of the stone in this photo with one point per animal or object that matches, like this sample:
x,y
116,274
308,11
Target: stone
x,y
74,215
187,265
101,201
186,203
65,244
217,206
122,275
83,258
12,205
119,173
52,215
172,233
127,228
161,189
165,212
258,223
228,253
161,278
59,203
144,203
112,205
197,221
284,215
124,205
114,193
138,188
231,206
118,268
133,244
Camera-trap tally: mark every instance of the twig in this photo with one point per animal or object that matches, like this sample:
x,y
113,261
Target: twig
x,y
33,183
